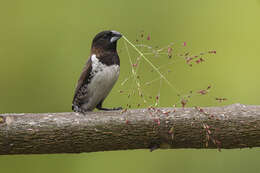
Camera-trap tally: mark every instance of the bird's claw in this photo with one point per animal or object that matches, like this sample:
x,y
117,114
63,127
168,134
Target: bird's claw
x,y
117,108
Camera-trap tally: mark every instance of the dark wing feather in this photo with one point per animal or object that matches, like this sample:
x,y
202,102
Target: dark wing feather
x,y
82,84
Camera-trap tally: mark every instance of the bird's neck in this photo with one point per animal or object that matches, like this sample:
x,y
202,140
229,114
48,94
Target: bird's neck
x,y
99,51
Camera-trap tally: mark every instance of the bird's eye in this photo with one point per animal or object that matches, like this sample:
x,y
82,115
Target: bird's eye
x,y
106,36
109,34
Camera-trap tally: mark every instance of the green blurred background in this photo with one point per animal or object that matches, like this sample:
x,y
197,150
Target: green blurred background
x,y
44,45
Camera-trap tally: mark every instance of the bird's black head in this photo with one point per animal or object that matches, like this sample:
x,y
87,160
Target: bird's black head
x,y
106,40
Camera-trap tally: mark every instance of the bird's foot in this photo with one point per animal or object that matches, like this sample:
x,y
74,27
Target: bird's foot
x,y
79,110
110,109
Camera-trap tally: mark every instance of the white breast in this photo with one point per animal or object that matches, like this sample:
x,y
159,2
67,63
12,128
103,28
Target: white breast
x,y
104,78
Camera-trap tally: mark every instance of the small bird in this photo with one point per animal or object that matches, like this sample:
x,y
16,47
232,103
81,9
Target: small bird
x,y
99,74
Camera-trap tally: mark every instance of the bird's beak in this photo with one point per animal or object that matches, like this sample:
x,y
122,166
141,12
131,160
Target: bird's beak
x,y
116,36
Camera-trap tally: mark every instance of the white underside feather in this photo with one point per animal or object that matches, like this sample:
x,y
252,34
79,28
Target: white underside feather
x,y
104,78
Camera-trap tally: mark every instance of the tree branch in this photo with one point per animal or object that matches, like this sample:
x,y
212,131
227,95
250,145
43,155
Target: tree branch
x,y
234,126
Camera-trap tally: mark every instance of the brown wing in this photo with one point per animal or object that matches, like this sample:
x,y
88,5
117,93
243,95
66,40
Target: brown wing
x,y
82,83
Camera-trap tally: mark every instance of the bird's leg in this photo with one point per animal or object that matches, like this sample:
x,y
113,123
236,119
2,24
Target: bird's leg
x,y
99,107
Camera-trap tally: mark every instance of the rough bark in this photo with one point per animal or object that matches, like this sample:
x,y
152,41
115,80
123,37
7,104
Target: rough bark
x,y
234,126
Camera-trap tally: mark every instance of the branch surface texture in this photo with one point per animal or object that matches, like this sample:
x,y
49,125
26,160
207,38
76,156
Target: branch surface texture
x,y
233,126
